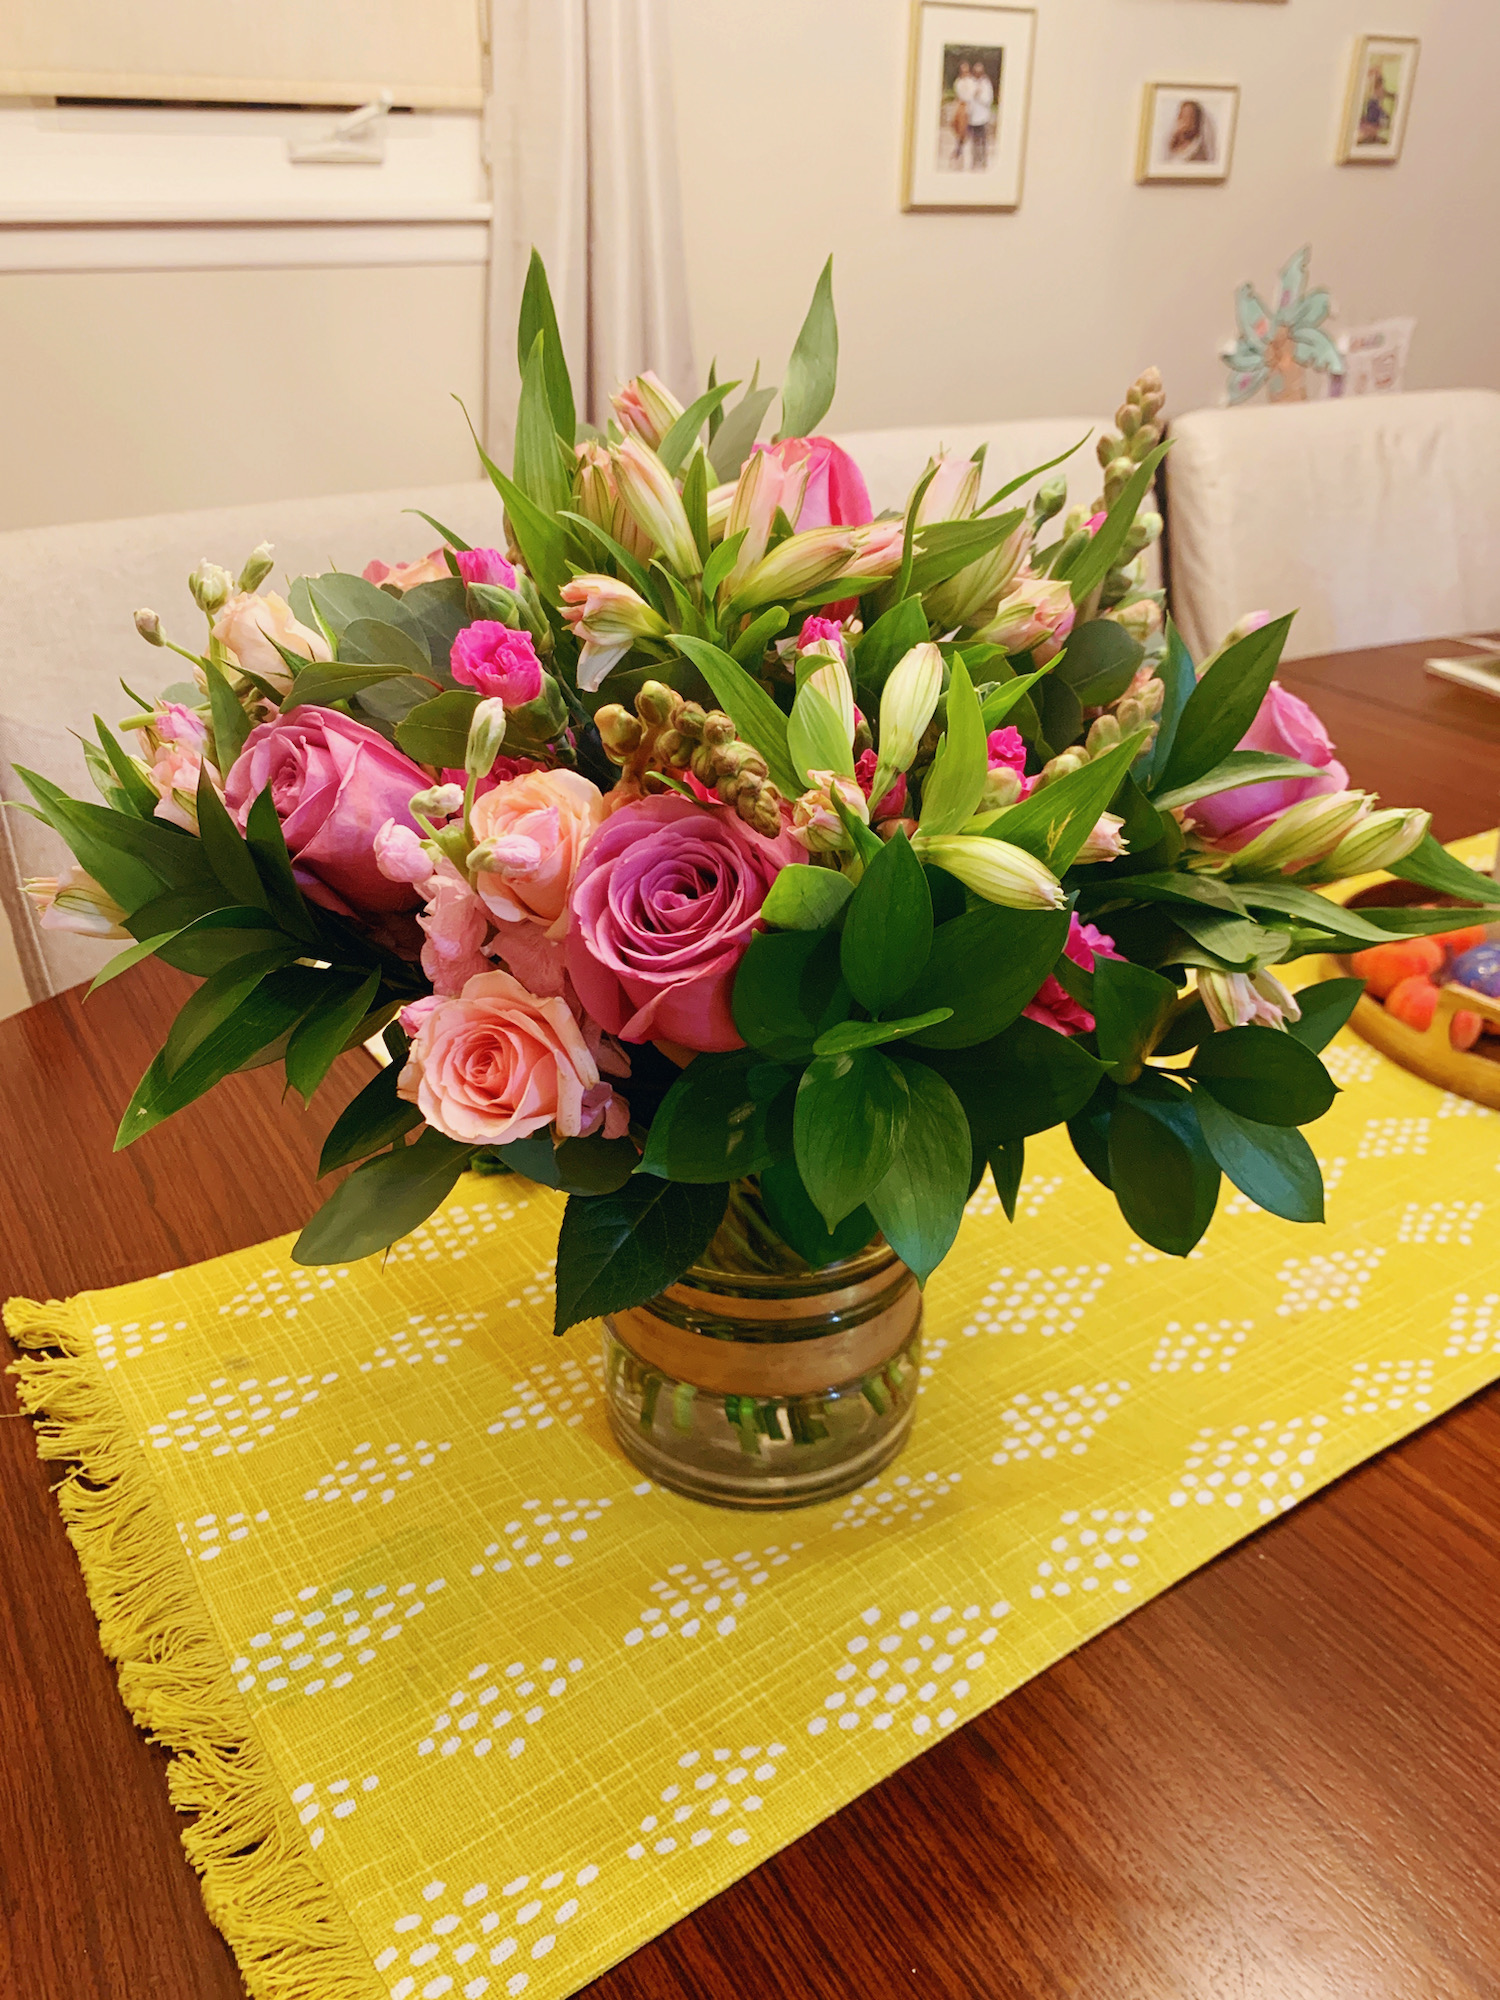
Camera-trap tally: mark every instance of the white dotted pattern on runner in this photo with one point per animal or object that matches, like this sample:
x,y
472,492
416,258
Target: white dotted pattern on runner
x,y
540,1535
1324,1283
1390,1138
209,1535
906,1498
1142,1253
1097,1552
461,1931
1035,1301
689,1603
454,1231
474,1722
1033,1198
906,1674
333,1639
551,1393
1059,1420
1439,1221
375,1472
719,1791
283,1289
1473,1326
1265,1462
340,1800
229,1419
537,1289
129,1341
1450,1106
1389,1385
423,1339
1350,1063
1207,1345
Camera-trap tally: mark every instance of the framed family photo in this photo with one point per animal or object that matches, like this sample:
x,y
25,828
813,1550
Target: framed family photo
x,y
1187,131
968,85
1380,86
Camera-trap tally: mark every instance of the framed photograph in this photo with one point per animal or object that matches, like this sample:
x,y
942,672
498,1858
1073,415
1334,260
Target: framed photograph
x,y
1380,86
1187,131
968,85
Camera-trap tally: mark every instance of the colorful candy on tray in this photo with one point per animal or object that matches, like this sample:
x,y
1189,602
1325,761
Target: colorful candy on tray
x,y
1407,974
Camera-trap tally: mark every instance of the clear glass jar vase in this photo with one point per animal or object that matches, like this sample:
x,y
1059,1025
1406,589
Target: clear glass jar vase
x,y
756,1381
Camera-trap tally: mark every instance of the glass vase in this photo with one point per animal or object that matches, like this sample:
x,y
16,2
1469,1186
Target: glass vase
x,y
757,1381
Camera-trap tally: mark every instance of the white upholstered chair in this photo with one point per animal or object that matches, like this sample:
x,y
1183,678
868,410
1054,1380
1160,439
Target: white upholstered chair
x,y
1376,517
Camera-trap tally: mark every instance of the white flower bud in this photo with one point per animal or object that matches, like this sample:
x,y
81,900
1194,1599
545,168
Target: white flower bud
x,y
439,801
993,869
258,567
1246,999
148,624
211,586
1303,834
1378,841
486,734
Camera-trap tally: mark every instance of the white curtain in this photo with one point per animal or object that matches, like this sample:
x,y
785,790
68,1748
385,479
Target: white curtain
x,y
583,148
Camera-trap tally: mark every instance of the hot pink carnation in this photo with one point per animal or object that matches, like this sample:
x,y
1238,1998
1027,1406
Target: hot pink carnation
x,y
497,660
864,772
1053,1005
334,784
484,566
665,901
819,632
1286,726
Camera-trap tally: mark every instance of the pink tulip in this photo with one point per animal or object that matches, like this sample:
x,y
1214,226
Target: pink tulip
x,y
1287,727
484,566
835,494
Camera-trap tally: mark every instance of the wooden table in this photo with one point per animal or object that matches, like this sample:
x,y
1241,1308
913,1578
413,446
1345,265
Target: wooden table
x,y
1276,1782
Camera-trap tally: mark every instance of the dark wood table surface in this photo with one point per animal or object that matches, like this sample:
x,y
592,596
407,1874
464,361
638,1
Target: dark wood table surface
x,y
1278,1781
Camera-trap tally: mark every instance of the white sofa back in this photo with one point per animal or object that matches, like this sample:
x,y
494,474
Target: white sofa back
x,y
893,461
1376,517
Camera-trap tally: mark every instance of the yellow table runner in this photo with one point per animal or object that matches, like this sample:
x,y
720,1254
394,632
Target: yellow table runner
x,y
466,1707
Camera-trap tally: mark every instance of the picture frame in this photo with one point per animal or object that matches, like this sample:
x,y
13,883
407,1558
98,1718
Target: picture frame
x,y
1187,132
968,100
1377,103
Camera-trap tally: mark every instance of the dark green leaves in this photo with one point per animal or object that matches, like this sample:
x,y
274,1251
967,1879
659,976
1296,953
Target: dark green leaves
x,y
615,1250
327,1031
1240,767
873,1034
1263,1074
1131,1006
1058,818
794,1218
1165,1179
377,1117
888,641
382,1201
850,1116
1026,1080
985,965
1272,1164
1099,662
920,1202
540,470
1325,1009
812,372
788,990
1223,705
888,930
437,732
715,1122
231,724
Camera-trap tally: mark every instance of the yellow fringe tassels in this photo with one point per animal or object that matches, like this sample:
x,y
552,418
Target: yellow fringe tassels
x,y
289,1932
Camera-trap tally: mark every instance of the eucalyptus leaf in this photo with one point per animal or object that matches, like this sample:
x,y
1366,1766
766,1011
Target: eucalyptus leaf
x,y
436,733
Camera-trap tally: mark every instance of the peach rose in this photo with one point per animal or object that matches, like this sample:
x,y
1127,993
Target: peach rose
x,y
530,835
247,624
497,1064
406,576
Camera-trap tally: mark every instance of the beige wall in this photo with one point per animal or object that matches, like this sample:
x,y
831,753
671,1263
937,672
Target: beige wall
x,y
791,114
143,392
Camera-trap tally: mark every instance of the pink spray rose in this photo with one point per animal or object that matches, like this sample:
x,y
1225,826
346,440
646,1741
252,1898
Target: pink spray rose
x,y
664,904
334,784
174,723
406,576
496,1063
1052,1004
484,566
497,660
530,837
1287,727
835,495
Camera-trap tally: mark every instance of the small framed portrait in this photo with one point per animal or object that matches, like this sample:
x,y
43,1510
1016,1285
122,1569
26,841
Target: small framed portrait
x,y
1187,131
968,86
1380,86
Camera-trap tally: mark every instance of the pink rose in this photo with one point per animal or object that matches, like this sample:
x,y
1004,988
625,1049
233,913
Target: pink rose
x,y
1052,1004
835,495
497,660
484,566
1287,727
406,576
334,784
496,1064
174,723
664,905
247,624
456,927
530,837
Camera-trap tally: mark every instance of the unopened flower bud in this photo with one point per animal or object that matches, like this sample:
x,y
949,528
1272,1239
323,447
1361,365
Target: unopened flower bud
x,y
74,901
1305,833
619,731
148,624
994,869
1105,841
1378,841
439,801
1002,787
1127,419
258,567
1246,999
651,498
211,586
815,820
657,703
486,734
1104,734
1050,498
908,703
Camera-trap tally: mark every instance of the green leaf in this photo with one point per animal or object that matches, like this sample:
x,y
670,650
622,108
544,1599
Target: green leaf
x,y
794,1218
695,506
134,859
737,434
224,844
888,930
1088,1133
788,991
1131,1006
1434,867
339,599
1008,1165
539,317
1233,942
955,784
1240,767
986,965
886,643
1061,713
454,541
197,933
1000,700
1319,911
375,642
1325,1008
1175,672
850,1117
1021,478
220,996
806,898
720,563
437,732
543,542
1108,545
815,738
1264,1074
678,441
594,1164
1099,661
383,1200
267,844
124,960
1164,1177
919,1204
617,1250
375,1118
1272,1164
441,611
1223,705
1058,818
715,1122
873,1034
539,469
748,706
626,563
231,724
139,793
767,625
812,372
326,1031
323,683
1025,1080
943,548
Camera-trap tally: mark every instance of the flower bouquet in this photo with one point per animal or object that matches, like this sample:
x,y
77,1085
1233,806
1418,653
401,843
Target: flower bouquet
x,y
758,872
